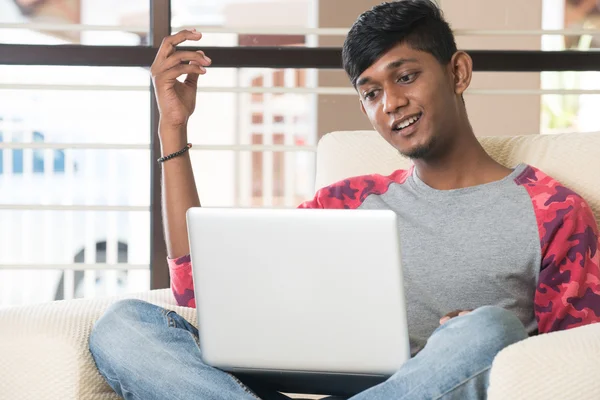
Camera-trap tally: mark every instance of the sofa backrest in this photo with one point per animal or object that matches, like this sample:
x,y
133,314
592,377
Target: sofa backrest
x,y
571,158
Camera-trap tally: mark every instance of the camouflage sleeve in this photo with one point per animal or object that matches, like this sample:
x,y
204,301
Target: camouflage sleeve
x,y
350,193
182,283
568,291
339,195
314,203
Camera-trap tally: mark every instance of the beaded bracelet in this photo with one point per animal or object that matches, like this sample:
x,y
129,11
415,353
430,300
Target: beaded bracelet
x,y
173,155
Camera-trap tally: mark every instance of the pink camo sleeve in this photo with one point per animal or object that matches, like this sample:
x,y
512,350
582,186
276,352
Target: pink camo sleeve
x,y
350,193
568,291
182,282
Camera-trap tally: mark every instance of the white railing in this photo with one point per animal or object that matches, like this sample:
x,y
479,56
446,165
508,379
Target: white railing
x,y
290,90
122,146
283,30
79,267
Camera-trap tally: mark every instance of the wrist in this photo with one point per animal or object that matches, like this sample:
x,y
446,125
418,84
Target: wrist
x,y
171,128
169,155
172,146
172,137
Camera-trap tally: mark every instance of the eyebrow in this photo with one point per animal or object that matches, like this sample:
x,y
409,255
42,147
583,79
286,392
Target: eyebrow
x,y
393,65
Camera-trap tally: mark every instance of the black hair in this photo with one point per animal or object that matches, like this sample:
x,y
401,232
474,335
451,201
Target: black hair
x,y
418,23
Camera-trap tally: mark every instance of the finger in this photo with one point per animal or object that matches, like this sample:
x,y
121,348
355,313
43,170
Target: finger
x,y
460,314
192,79
444,320
205,56
180,70
453,313
169,43
181,57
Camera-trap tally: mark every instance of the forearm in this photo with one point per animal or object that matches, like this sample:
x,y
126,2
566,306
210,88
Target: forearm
x,y
179,191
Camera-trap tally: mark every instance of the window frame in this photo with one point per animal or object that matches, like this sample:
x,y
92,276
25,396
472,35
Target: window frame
x,y
248,57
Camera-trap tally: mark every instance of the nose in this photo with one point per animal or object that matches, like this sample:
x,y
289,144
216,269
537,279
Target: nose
x,y
393,99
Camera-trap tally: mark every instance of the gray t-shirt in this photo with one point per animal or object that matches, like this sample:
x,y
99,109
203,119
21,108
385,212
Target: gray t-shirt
x,y
461,249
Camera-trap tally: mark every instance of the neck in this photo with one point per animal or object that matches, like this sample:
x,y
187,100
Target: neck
x,y
464,163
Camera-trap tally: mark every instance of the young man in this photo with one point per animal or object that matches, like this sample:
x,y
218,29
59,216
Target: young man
x,y
511,244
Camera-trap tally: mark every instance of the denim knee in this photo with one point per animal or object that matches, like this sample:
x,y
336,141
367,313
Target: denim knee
x,y
496,327
109,332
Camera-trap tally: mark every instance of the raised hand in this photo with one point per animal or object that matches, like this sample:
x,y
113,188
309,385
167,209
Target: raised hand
x,y
177,100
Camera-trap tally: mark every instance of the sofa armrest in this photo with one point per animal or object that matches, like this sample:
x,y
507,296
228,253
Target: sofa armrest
x,y
44,348
560,365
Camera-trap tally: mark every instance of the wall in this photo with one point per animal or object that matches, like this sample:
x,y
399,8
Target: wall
x,y
338,112
489,114
500,114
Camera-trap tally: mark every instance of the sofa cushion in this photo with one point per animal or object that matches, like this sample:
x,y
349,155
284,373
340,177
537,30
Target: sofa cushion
x,y
571,158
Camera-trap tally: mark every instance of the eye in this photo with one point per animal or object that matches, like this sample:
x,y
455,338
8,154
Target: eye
x,y
408,78
370,95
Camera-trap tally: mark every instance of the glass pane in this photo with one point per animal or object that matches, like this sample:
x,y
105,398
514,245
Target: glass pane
x,y
571,113
227,113
578,15
479,24
66,176
61,238
87,22
51,106
499,25
254,178
111,77
217,19
20,287
75,104
64,237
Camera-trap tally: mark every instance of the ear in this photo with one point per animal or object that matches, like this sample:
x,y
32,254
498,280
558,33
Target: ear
x,y
461,67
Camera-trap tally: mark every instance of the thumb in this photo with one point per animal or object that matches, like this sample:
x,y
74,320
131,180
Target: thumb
x,y
192,79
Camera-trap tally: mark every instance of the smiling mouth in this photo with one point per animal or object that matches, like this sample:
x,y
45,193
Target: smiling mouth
x,y
398,127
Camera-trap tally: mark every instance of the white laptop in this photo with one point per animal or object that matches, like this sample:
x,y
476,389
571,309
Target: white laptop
x,y
310,301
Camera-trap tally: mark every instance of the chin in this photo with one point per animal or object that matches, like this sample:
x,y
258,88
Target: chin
x,y
418,151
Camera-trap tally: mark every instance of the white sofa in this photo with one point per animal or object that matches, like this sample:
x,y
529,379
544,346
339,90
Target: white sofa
x,y
44,349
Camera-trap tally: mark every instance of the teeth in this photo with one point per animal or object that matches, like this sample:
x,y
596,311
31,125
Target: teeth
x,y
407,122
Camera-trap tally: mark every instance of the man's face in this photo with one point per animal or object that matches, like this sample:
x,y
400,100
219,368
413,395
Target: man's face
x,y
410,100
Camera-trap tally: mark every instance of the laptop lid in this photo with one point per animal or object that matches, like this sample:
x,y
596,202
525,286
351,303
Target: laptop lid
x,y
299,290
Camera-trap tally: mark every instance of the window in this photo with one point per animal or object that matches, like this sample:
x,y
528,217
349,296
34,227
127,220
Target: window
x,y
77,143
226,22
65,157
86,22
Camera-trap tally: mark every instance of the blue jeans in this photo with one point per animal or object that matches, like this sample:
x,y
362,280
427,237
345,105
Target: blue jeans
x,y
146,352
